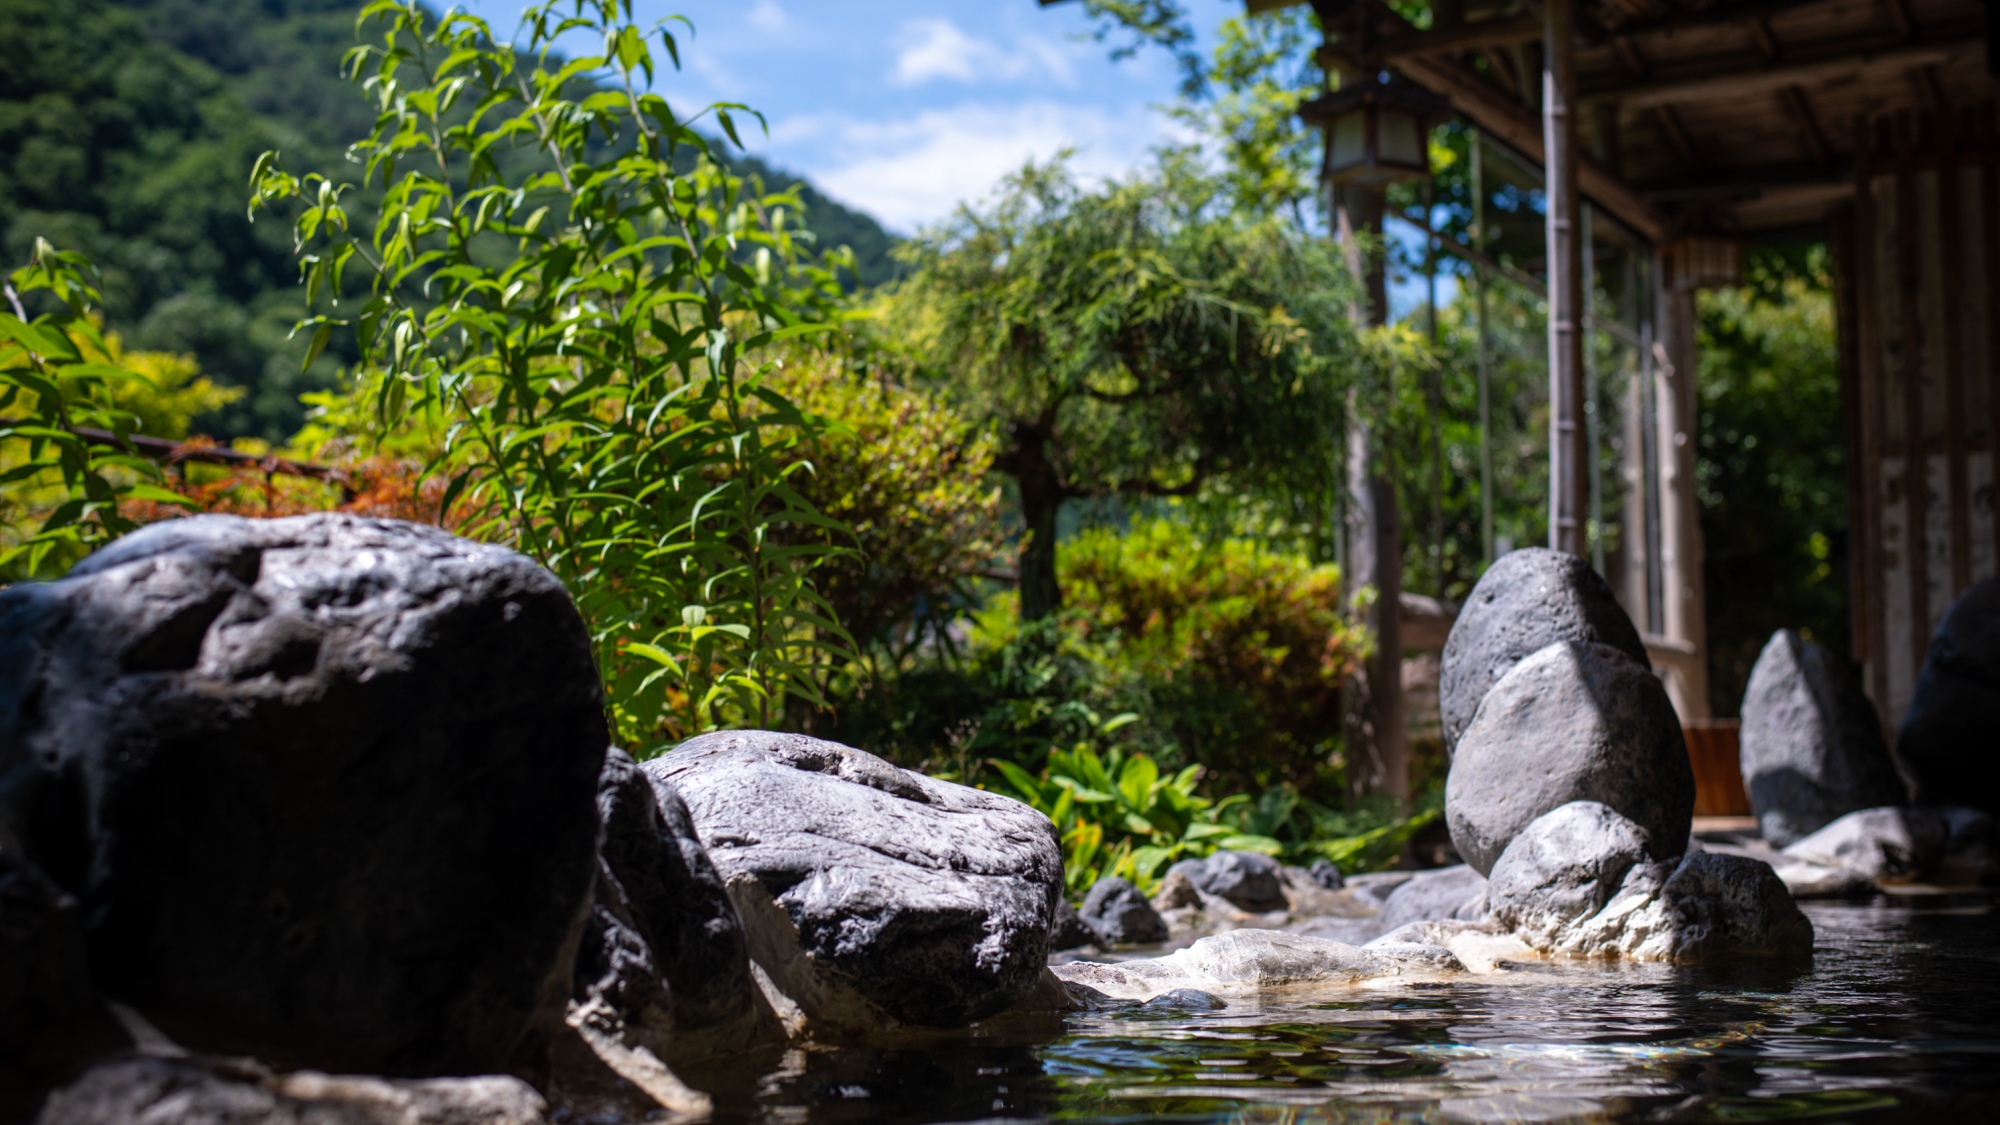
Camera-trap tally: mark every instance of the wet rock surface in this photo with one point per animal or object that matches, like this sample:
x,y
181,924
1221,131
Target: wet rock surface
x,y
1526,601
325,783
1117,914
1947,739
872,896
1249,961
141,1090
1580,882
1883,845
1573,722
1812,746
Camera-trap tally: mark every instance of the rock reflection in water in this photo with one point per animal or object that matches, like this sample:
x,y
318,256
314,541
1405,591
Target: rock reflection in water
x,y
1892,1021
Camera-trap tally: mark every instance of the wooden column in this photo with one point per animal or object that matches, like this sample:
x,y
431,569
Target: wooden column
x,y
1372,701
1683,606
1567,478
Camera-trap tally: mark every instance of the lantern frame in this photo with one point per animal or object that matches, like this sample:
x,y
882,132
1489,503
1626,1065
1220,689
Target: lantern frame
x,y
1353,120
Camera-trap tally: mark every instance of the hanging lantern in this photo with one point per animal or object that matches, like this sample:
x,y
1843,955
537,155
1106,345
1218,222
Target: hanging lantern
x,y
1377,130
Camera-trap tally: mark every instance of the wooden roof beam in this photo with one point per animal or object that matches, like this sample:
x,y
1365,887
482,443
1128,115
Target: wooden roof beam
x,y
1521,129
1732,82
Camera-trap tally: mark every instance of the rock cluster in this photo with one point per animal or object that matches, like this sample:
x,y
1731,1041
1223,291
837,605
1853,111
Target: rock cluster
x,y
1580,881
1812,746
336,796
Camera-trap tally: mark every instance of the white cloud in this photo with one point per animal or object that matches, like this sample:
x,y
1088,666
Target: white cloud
x,y
767,16
938,48
916,170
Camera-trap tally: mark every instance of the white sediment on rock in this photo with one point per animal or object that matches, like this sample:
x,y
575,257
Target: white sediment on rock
x,y
1252,961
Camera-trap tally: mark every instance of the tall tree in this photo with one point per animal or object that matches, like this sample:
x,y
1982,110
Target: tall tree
x,y
1144,338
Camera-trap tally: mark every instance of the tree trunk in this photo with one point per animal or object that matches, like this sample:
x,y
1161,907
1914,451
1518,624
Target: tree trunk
x,y
1042,494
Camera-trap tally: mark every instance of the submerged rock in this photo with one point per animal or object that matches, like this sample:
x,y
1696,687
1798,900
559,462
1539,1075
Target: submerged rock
x,y
326,783
1527,600
1249,961
1580,882
1948,735
1885,845
1812,747
199,1091
1119,915
1454,893
1573,722
1251,881
872,896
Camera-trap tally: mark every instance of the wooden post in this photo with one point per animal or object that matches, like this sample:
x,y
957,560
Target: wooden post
x,y
1485,349
1916,457
1950,244
1372,700
1566,437
1683,607
1592,436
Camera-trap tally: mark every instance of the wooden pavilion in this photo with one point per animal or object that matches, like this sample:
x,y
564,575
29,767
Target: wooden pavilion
x,y
1694,128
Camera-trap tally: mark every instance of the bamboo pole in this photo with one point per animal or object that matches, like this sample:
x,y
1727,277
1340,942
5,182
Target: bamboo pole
x,y
1566,393
1485,350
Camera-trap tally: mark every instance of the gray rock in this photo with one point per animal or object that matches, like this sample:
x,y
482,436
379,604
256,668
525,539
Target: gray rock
x,y
1573,722
1947,743
1326,874
1456,893
1069,930
1526,601
1251,881
1252,961
872,896
1579,882
51,1018
1119,915
214,1091
1886,844
1563,869
325,782
1812,747
664,963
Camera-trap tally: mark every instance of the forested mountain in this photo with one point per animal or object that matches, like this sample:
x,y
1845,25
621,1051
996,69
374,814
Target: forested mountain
x,y
128,129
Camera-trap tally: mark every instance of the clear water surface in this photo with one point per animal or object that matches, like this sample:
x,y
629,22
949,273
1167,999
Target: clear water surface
x,y
1896,1018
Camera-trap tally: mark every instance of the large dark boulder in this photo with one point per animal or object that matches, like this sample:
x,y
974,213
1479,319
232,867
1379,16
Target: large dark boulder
x,y
664,963
51,1018
872,896
323,786
1526,601
1948,742
1573,722
1812,747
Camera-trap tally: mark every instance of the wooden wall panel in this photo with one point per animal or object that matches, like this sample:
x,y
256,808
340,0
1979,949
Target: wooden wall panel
x,y
1924,251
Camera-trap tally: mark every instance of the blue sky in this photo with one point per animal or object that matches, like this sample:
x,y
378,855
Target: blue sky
x,y
904,108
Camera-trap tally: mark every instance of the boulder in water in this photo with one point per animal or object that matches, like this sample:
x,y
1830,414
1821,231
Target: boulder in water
x,y
326,783
1812,748
1251,881
1580,881
1526,601
1886,844
1119,915
872,896
1948,735
1252,961
664,965
1455,893
51,1018
1573,722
